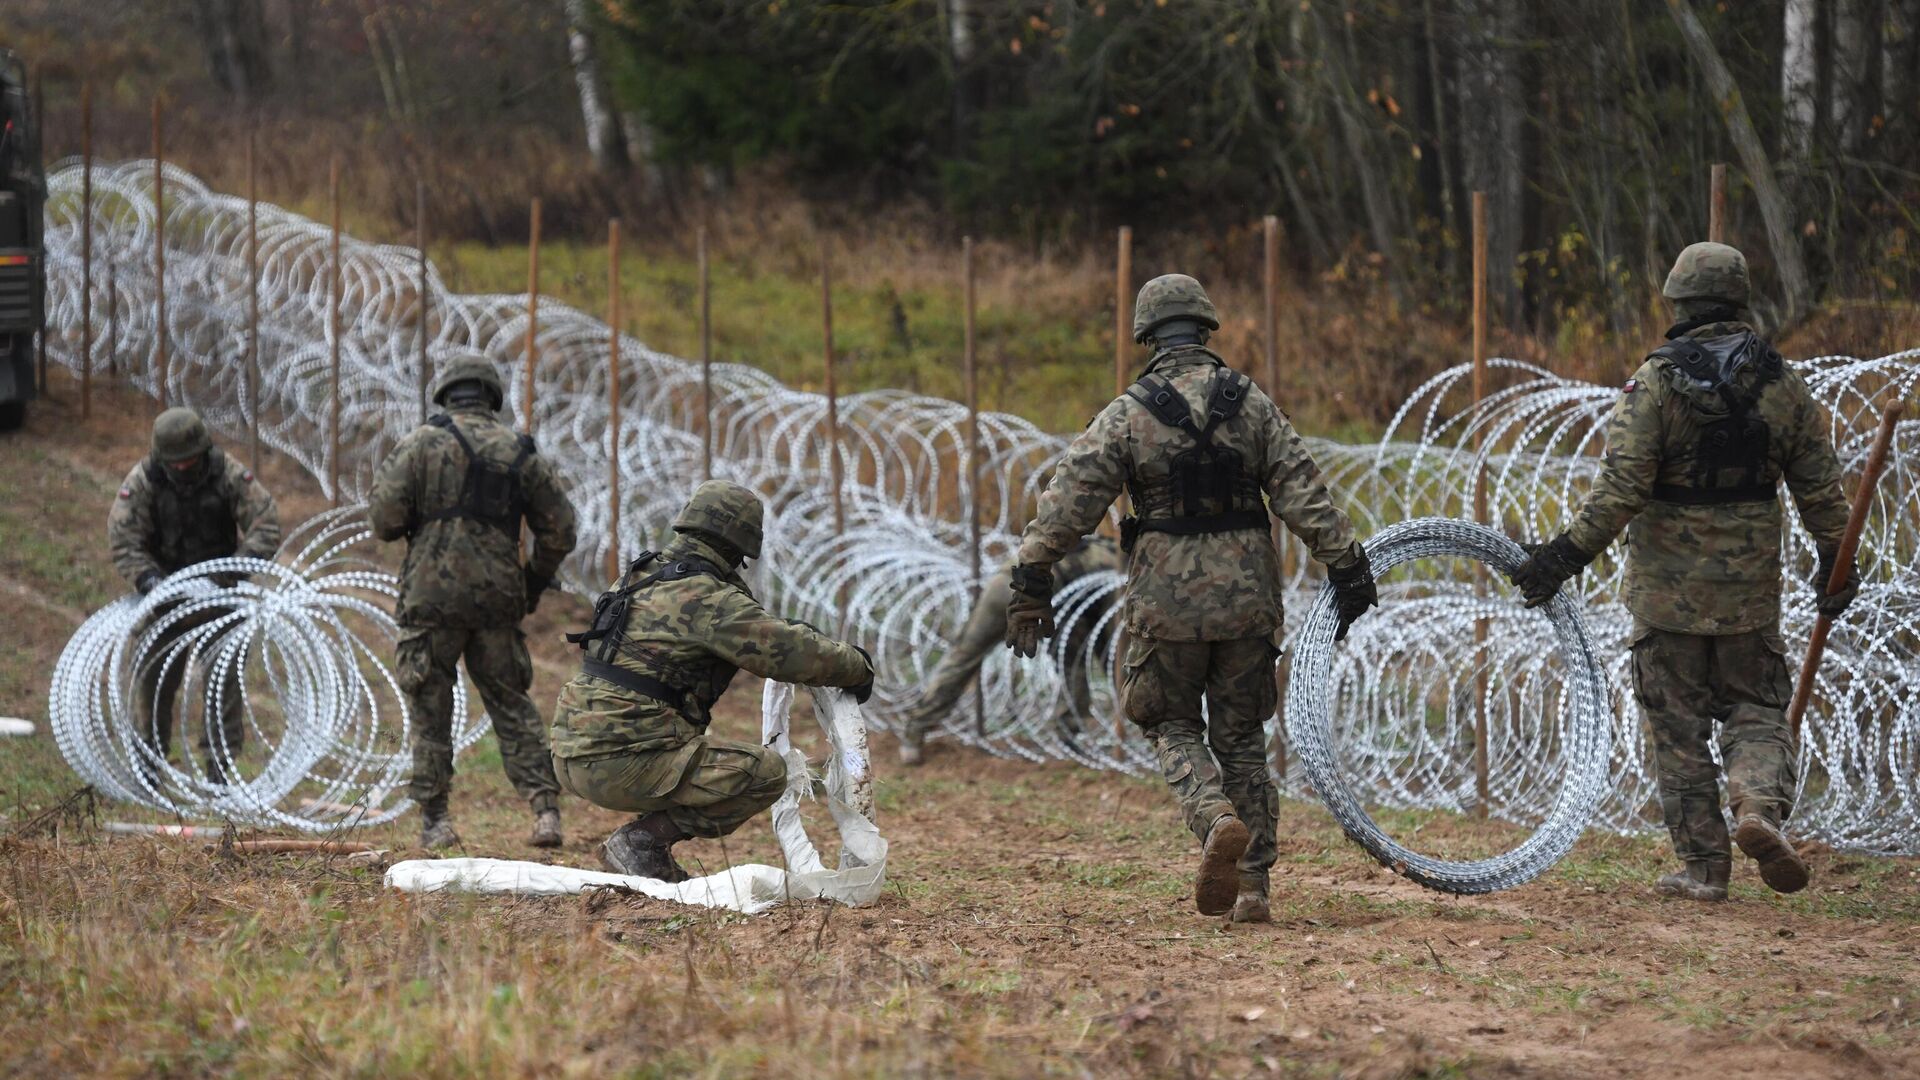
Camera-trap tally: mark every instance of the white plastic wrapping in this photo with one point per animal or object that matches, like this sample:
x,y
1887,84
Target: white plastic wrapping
x,y
751,887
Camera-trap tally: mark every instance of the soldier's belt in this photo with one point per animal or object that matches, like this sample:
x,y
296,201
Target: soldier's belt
x,y
1198,525
1714,496
644,685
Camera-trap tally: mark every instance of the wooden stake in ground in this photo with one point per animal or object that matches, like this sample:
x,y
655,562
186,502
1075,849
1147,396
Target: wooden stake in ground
x,y
706,360
970,376
420,250
1480,785
1717,204
159,264
1122,343
533,315
833,392
253,306
333,336
1270,333
613,400
86,249
1843,561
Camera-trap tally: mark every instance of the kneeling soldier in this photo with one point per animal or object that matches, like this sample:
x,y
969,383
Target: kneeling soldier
x,y
630,731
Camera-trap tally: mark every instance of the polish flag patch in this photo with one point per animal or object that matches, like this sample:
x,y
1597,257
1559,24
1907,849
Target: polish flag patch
x,y
1632,385
126,493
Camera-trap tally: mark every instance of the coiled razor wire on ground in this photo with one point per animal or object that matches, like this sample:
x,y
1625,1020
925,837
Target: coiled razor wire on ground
x,y
304,641
897,577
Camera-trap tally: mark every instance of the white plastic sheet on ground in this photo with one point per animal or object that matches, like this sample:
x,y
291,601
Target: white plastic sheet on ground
x,y
752,887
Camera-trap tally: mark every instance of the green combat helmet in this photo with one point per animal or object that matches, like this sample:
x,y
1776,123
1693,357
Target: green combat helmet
x,y
180,435
1167,298
470,367
727,512
1710,272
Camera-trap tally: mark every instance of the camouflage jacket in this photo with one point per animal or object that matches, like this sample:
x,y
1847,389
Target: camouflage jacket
x,y
1707,569
460,572
692,633
1215,587
158,525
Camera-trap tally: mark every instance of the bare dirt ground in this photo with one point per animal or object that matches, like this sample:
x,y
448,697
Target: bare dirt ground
x,y
1037,922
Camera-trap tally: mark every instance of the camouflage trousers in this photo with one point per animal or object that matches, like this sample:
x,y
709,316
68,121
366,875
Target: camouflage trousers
x,y
426,664
157,693
1687,682
1164,682
723,785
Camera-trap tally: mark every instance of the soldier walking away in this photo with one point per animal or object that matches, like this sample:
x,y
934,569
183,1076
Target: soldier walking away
x,y
1701,438
630,731
1205,456
458,489
188,503
986,627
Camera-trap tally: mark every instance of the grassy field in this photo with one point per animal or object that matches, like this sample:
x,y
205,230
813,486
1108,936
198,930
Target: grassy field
x,y
1037,922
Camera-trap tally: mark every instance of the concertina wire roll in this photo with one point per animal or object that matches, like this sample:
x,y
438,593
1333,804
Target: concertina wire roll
x,y
1402,690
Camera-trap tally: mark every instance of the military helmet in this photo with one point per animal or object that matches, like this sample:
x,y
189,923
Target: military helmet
x,y
1169,297
1709,271
179,435
469,367
727,512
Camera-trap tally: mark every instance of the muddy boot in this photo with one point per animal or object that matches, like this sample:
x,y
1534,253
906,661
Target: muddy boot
x,y
1251,906
1697,881
1781,867
912,748
546,829
1215,887
643,847
436,827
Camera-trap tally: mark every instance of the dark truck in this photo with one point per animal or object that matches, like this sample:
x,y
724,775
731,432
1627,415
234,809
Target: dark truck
x,y
23,266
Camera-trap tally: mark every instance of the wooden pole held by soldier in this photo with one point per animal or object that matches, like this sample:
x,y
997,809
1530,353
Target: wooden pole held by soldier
x,y
1480,785
1843,562
253,307
613,400
533,315
1122,343
333,334
38,128
833,392
420,249
1270,333
970,374
706,359
159,263
1717,204
86,249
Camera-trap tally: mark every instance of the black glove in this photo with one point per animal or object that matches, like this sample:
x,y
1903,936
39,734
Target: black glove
x,y
1030,612
1548,566
536,585
1353,591
145,582
865,690
1835,604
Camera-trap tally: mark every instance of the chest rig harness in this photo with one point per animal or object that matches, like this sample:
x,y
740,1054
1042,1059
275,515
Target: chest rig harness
x,y
601,641
196,522
491,493
1731,458
1208,489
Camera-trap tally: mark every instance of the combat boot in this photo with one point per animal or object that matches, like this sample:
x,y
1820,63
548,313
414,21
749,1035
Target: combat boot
x,y
1697,881
436,826
1251,906
546,829
1781,867
643,847
1218,882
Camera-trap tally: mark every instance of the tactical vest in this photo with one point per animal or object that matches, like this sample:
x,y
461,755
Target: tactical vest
x,y
196,524
490,493
603,638
1732,462
1208,489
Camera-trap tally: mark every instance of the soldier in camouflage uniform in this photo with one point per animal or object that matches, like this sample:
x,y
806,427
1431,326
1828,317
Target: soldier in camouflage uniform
x,y
630,731
986,626
1205,456
457,489
188,503
1703,434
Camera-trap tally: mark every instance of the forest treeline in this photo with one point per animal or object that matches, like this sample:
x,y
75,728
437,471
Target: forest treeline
x,y
1364,124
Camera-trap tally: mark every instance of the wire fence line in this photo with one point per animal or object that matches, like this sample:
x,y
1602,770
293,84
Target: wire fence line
x,y
896,576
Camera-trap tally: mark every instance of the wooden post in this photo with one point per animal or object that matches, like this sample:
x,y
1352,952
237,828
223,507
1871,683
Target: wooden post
x,y
1843,562
86,249
253,305
1270,327
706,360
970,376
613,400
37,130
833,392
420,249
1122,343
1480,491
1717,204
113,319
159,263
533,315
333,335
